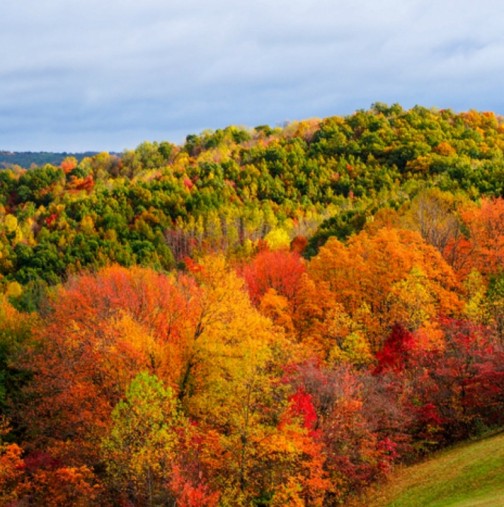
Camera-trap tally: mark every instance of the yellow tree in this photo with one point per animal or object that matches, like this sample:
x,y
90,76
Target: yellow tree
x,y
227,381
234,388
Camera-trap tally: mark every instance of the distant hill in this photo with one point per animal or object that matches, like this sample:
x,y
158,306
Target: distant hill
x,y
468,475
39,158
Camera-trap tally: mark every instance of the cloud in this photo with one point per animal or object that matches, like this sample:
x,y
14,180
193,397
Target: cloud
x,y
89,74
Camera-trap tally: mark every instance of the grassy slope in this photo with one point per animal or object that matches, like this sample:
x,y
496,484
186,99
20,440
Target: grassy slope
x,y
469,475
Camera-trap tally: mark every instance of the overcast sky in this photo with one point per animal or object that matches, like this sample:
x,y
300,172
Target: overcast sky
x,y
81,75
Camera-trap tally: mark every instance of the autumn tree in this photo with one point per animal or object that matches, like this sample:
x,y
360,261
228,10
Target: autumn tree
x,y
482,248
373,268
102,330
354,453
12,479
280,270
433,215
142,444
15,333
235,390
229,382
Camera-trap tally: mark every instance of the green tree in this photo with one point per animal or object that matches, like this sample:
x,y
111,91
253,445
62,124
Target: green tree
x,y
142,444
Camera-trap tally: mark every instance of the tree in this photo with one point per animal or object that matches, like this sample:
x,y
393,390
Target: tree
x,y
396,350
142,444
102,330
12,480
15,334
412,300
482,247
433,215
280,270
235,390
354,454
228,383
363,275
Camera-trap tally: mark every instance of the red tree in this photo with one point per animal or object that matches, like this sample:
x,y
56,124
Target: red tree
x,y
280,270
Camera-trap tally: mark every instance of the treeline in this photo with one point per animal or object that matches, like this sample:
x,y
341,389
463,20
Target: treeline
x,y
268,317
37,158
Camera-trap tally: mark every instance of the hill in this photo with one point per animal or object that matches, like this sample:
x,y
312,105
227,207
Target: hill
x,y
471,474
269,317
228,189
37,158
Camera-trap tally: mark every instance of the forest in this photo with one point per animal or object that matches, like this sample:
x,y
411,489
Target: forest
x,y
268,316
30,159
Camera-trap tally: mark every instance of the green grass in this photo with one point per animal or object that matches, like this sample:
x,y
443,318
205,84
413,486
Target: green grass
x,y
469,475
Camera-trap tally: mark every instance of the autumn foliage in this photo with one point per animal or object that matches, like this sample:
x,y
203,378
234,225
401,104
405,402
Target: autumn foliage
x,y
266,318
298,384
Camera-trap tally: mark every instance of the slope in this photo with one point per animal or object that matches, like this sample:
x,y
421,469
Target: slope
x,y
469,475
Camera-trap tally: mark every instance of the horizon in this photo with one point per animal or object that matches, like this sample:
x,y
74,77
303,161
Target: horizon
x,y
183,140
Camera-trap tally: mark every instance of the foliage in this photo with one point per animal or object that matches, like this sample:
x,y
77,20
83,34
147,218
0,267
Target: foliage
x,y
163,341
142,443
227,189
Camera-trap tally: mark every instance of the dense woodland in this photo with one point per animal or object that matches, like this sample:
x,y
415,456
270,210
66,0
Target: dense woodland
x,y
259,317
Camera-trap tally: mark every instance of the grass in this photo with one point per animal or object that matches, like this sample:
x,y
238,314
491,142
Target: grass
x,y
469,475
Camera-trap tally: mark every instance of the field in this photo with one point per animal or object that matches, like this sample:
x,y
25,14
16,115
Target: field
x,y
469,475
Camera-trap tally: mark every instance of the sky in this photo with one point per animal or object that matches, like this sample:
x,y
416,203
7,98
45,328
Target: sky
x,y
106,75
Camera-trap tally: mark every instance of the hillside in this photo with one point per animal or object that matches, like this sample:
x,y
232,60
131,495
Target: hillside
x,y
267,317
227,189
469,475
